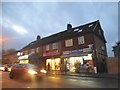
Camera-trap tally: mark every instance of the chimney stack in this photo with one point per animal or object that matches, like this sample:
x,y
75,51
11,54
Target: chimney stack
x,y
69,27
38,37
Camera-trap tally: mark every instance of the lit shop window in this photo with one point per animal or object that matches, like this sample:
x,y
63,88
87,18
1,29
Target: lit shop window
x,y
47,47
68,42
55,45
24,61
54,63
81,40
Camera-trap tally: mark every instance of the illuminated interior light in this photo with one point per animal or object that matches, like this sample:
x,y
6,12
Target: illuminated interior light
x,y
24,61
18,54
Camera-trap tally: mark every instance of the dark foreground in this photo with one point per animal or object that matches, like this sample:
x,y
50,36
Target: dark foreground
x,y
58,81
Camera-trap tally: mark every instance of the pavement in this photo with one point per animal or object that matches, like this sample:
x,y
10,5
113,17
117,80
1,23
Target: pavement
x,y
93,75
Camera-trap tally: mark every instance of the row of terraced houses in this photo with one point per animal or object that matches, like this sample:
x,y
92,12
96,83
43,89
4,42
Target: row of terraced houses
x,y
85,45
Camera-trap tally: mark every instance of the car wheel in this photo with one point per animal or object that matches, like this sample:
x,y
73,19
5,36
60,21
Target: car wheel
x,y
11,75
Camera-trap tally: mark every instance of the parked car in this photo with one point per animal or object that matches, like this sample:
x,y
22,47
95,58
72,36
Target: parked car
x,y
6,67
26,71
2,68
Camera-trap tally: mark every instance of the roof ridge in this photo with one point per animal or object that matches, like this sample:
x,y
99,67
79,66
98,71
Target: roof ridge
x,y
62,34
73,28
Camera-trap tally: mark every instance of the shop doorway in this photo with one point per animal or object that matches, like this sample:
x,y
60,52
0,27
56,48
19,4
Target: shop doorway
x,y
54,63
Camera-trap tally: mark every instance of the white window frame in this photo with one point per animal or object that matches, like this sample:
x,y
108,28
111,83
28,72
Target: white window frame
x,y
81,40
32,50
55,46
26,52
69,43
47,47
38,49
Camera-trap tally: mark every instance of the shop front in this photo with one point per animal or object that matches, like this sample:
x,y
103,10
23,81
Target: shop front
x,y
54,63
78,60
32,58
52,60
23,59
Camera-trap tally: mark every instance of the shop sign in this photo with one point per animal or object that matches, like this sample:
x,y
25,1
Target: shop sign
x,y
66,52
56,52
23,57
77,51
86,49
80,50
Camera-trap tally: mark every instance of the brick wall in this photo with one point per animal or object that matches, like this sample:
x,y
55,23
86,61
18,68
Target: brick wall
x,y
112,65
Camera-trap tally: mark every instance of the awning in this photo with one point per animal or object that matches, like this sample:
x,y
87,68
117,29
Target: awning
x,y
34,56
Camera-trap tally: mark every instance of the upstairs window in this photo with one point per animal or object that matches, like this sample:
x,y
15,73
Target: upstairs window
x,y
47,47
90,25
68,42
37,50
81,40
26,52
80,30
32,50
54,45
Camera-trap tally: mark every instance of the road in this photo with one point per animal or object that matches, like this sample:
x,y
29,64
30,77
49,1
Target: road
x,y
58,81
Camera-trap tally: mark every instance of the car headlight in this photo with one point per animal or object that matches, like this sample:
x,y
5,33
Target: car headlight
x,y
32,72
43,71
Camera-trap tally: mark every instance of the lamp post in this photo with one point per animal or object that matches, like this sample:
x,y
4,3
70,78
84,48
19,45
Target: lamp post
x,y
1,49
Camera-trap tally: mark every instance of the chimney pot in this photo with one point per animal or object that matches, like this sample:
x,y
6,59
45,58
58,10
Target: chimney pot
x,y
69,27
38,37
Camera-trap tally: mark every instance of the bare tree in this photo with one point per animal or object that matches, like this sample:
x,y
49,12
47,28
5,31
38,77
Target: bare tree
x,y
9,56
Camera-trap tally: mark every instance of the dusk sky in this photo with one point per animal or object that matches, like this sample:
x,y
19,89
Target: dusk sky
x,y
22,22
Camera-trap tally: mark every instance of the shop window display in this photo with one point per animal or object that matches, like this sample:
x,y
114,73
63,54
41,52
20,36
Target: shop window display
x,y
54,63
79,64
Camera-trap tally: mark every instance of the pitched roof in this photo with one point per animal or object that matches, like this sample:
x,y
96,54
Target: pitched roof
x,y
79,30
117,44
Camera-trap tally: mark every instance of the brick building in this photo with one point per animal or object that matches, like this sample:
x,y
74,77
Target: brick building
x,y
116,50
85,44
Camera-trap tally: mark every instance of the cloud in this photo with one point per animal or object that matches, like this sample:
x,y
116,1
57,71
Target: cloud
x,y
19,29
49,18
7,23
